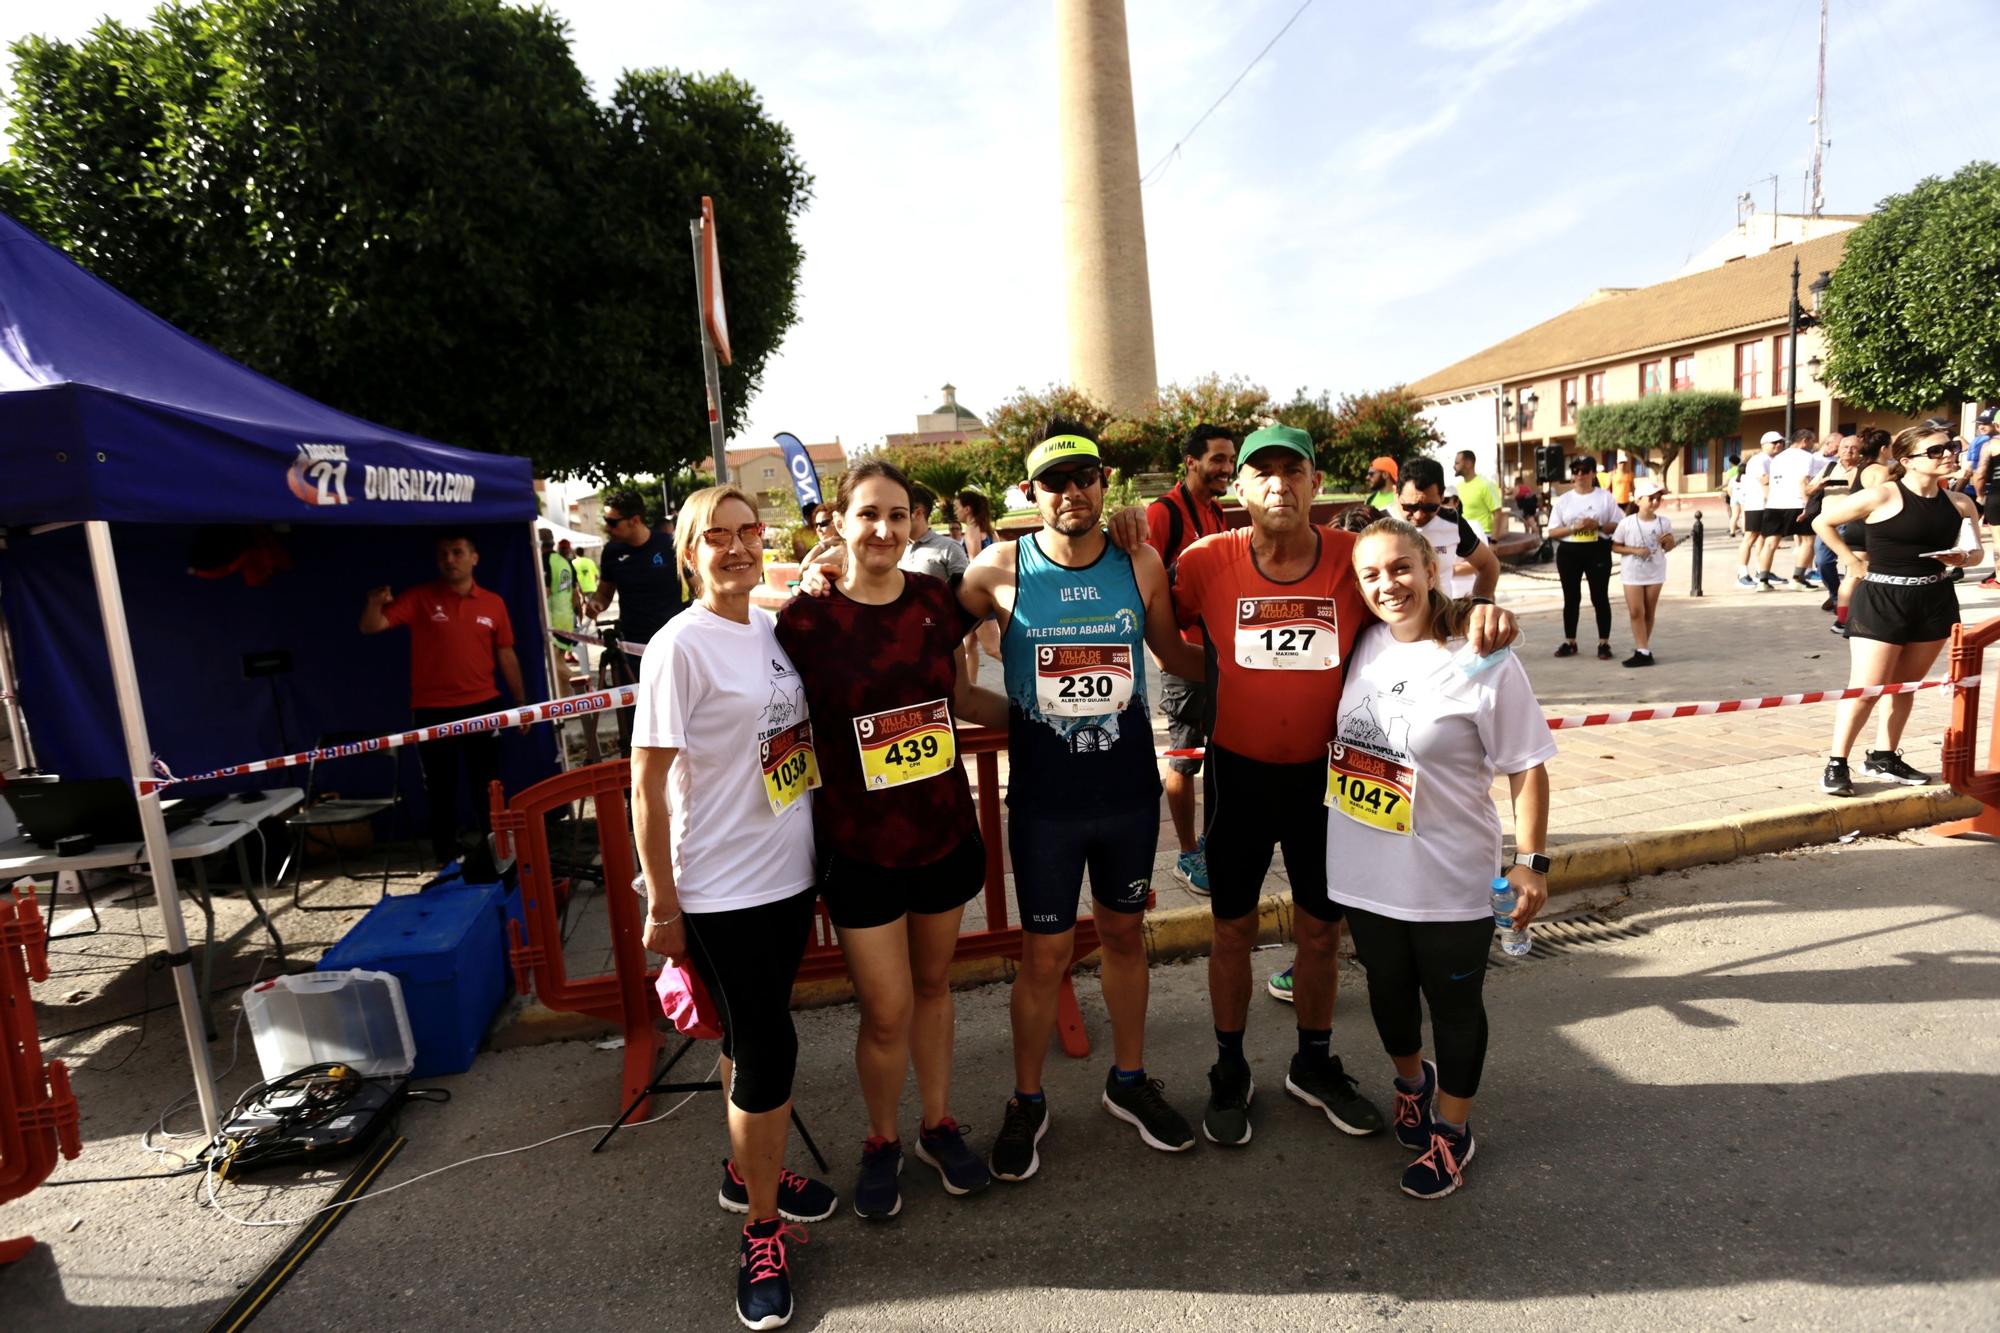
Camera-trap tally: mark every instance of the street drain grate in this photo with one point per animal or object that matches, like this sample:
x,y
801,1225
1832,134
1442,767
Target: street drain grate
x,y
1568,934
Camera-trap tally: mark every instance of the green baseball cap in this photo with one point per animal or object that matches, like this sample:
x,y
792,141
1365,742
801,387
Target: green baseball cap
x,y
1060,450
1279,437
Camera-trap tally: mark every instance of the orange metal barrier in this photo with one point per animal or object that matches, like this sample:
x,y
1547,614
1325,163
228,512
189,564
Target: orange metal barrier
x,y
37,1109
1961,737
625,996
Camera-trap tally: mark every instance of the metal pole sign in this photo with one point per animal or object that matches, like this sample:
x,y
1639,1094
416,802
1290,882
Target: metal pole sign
x,y
714,323
805,477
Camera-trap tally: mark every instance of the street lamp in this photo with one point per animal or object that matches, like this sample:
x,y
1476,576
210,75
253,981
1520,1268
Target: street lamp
x,y
1800,319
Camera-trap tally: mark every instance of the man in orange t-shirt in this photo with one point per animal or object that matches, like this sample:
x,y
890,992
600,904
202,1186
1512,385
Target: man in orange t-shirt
x,y
1281,609
459,632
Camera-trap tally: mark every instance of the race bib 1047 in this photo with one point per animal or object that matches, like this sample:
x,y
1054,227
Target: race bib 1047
x,y
1371,788
1082,679
790,767
901,745
1287,634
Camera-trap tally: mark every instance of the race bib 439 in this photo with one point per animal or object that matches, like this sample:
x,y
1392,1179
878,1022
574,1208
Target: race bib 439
x,y
1082,679
900,745
1371,788
790,767
1287,634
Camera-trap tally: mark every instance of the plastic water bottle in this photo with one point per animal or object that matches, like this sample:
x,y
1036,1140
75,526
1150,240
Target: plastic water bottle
x,y
1513,938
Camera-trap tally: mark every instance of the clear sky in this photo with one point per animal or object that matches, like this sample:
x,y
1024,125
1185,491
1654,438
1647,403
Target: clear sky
x,y
1393,188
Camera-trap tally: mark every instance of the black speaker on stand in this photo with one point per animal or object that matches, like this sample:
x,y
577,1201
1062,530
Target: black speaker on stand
x,y
1549,464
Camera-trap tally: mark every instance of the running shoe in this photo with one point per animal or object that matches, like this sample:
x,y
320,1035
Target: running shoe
x,y
1441,1169
1832,603
1604,652
1191,868
1279,987
877,1195
1745,581
1990,581
1810,582
943,1146
1839,628
1014,1155
1413,1111
1230,1091
1835,781
1772,580
763,1278
1144,1105
1566,649
1889,764
1323,1083
1638,660
800,1199
1761,585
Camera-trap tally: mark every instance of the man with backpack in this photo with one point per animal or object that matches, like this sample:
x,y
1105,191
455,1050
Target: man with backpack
x,y
1182,516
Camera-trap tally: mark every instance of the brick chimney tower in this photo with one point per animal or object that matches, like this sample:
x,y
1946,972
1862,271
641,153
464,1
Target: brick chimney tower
x,y
1104,227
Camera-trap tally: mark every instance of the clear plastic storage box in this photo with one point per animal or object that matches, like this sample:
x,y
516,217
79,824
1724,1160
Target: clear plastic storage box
x,y
354,1018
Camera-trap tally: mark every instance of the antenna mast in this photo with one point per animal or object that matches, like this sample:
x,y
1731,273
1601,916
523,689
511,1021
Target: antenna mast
x,y
1816,187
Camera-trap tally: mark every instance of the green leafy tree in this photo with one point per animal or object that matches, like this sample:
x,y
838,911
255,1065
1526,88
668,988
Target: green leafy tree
x,y
413,210
1660,426
1909,320
1361,427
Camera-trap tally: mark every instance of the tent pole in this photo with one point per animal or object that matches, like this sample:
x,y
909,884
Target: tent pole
x,y
139,754
17,722
551,650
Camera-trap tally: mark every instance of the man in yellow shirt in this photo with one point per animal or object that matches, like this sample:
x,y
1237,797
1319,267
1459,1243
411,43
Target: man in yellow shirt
x,y
1478,498
586,569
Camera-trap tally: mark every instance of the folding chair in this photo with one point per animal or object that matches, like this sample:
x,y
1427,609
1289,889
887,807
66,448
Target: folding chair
x,y
319,817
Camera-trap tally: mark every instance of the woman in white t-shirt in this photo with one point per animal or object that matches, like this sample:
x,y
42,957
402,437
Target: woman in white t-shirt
x,y
1643,539
722,771
1580,521
1413,839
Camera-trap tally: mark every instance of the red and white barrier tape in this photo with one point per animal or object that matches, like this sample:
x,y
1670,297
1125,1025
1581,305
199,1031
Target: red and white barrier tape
x,y
1700,710
555,710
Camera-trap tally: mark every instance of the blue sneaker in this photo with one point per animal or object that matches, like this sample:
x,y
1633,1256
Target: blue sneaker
x,y
1441,1170
877,1196
943,1146
763,1279
800,1198
1745,581
1413,1111
1191,869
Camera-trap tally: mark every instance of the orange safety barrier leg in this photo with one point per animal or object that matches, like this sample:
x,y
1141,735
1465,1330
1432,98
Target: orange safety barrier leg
x,y
1960,770
1069,1021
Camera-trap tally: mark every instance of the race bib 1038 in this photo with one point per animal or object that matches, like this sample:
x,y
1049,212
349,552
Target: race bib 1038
x,y
790,767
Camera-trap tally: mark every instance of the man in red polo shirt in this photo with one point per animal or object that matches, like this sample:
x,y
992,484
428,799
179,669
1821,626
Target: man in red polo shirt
x,y
458,633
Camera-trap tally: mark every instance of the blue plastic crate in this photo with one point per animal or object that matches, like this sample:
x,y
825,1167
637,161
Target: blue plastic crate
x,y
507,901
445,950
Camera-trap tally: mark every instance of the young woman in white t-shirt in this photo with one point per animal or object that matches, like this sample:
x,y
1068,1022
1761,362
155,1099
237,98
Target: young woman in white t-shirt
x,y
1579,522
1643,539
722,768
1413,840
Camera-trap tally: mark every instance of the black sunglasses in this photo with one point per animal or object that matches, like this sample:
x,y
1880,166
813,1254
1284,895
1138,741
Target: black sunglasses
x,y
1427,508
1083,478
823,521
1951,448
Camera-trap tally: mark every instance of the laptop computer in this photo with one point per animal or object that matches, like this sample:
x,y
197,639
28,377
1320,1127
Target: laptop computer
x,y
105,808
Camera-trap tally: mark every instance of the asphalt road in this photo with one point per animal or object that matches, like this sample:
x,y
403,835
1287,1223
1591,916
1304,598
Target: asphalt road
x,y
1775,1107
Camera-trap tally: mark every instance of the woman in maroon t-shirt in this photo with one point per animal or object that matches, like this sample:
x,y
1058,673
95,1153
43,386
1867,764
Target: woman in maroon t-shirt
x,y
898,837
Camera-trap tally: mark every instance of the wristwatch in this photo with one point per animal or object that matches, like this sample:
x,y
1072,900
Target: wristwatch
x,y
1535,861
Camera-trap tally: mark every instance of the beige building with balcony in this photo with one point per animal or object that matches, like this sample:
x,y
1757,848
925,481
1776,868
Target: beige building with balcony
x,y
1723,327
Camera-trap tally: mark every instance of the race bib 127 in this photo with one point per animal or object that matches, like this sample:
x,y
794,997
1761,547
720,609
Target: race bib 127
x,y
901,745
1082,679
1287,634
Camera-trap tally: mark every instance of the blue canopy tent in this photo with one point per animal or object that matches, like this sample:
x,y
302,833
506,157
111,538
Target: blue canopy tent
x,y
112,421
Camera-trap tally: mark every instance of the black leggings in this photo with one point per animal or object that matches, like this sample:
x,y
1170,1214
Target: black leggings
x,y
1575,562
748,959
1445,961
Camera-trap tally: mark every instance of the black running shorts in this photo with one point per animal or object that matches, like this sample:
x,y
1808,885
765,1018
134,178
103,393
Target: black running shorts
x,y
1254,810
1051,856
1902,613
1778,522
859,895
